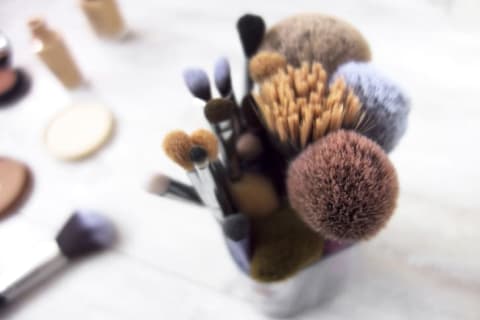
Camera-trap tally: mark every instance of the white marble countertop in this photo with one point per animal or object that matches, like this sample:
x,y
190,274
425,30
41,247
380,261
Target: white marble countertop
x,y
171,262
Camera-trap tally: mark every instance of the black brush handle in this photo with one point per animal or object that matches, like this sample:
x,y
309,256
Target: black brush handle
x,y
3,302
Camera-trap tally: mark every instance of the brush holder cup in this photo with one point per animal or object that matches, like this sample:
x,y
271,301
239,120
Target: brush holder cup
x,y
307,290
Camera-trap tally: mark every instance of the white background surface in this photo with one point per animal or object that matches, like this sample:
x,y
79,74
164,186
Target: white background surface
x,y
171,262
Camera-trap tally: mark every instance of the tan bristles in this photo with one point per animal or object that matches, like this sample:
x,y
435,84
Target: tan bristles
x,y
177,146
264,64
207,140
304,93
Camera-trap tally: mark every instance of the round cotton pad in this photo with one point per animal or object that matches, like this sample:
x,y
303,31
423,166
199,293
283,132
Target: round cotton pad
x,y
13,183
79,131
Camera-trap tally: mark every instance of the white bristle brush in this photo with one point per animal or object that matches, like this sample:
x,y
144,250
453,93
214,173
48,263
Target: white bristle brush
x,y
84,232
163,185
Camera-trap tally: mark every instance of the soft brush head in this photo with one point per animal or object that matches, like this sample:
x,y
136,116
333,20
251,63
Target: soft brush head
x,y
177,145
316,38
158,184
218,110
197,83
251,29
386,107
207,140
343,186
85,232
222,76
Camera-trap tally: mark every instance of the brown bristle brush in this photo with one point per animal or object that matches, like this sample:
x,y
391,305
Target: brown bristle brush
x,y
316,38
344,187
283,246
298,107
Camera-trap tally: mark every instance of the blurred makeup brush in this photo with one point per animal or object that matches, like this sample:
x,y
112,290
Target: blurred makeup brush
x,y
220,113
197,83
385,105
344,187
207,140
236,226
251,29
249,146
223,79
84,232
213,181
298,107
163,185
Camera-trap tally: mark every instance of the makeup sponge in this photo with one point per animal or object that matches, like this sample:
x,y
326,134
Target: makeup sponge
x,y
283,246
316,38
343,186
386,107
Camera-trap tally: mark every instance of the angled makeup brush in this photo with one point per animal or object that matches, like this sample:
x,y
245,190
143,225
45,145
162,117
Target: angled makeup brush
x,y
197,83
220,113
223,79
251,29
84,232
163,185
343,187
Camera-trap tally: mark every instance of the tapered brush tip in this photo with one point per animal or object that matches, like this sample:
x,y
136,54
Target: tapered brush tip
x,y
217,110
177,145
197,83
158,184
198,154
265,64
206,139
222,76
236,227
85,231
251,29
344,186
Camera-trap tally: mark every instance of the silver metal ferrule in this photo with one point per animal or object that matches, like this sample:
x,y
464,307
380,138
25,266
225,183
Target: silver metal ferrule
x,y
31,271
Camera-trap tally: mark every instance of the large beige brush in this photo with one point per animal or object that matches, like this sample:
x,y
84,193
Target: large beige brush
x,y
298,107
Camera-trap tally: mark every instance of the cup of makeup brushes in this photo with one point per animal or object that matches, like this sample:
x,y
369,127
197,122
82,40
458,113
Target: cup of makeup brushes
x,y
306,290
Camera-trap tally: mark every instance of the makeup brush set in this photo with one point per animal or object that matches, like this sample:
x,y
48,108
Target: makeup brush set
x,y
296,168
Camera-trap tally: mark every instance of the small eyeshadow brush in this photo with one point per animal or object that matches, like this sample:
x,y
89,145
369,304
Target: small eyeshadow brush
x,y
84,232
220,113
251,29
163,185
223,79
197,83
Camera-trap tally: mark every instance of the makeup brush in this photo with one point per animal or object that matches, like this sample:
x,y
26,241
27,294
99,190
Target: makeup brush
x,y
385,105
297,106
220,113
265,64
197,83
163,185
251,29
316,38
236,226
207,140
84,232
223,79
284,245
249,146
344,187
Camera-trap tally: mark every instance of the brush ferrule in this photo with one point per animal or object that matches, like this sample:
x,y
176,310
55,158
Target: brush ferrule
x,y
46,260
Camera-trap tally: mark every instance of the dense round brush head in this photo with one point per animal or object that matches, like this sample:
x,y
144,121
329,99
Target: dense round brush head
x,y
251,29
265,63
207,140
249,146
386,107
316,37
197,83
222,76
158,184
217,110
343,186
198,154
85,232
236,227
177,146
284,245
254,195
